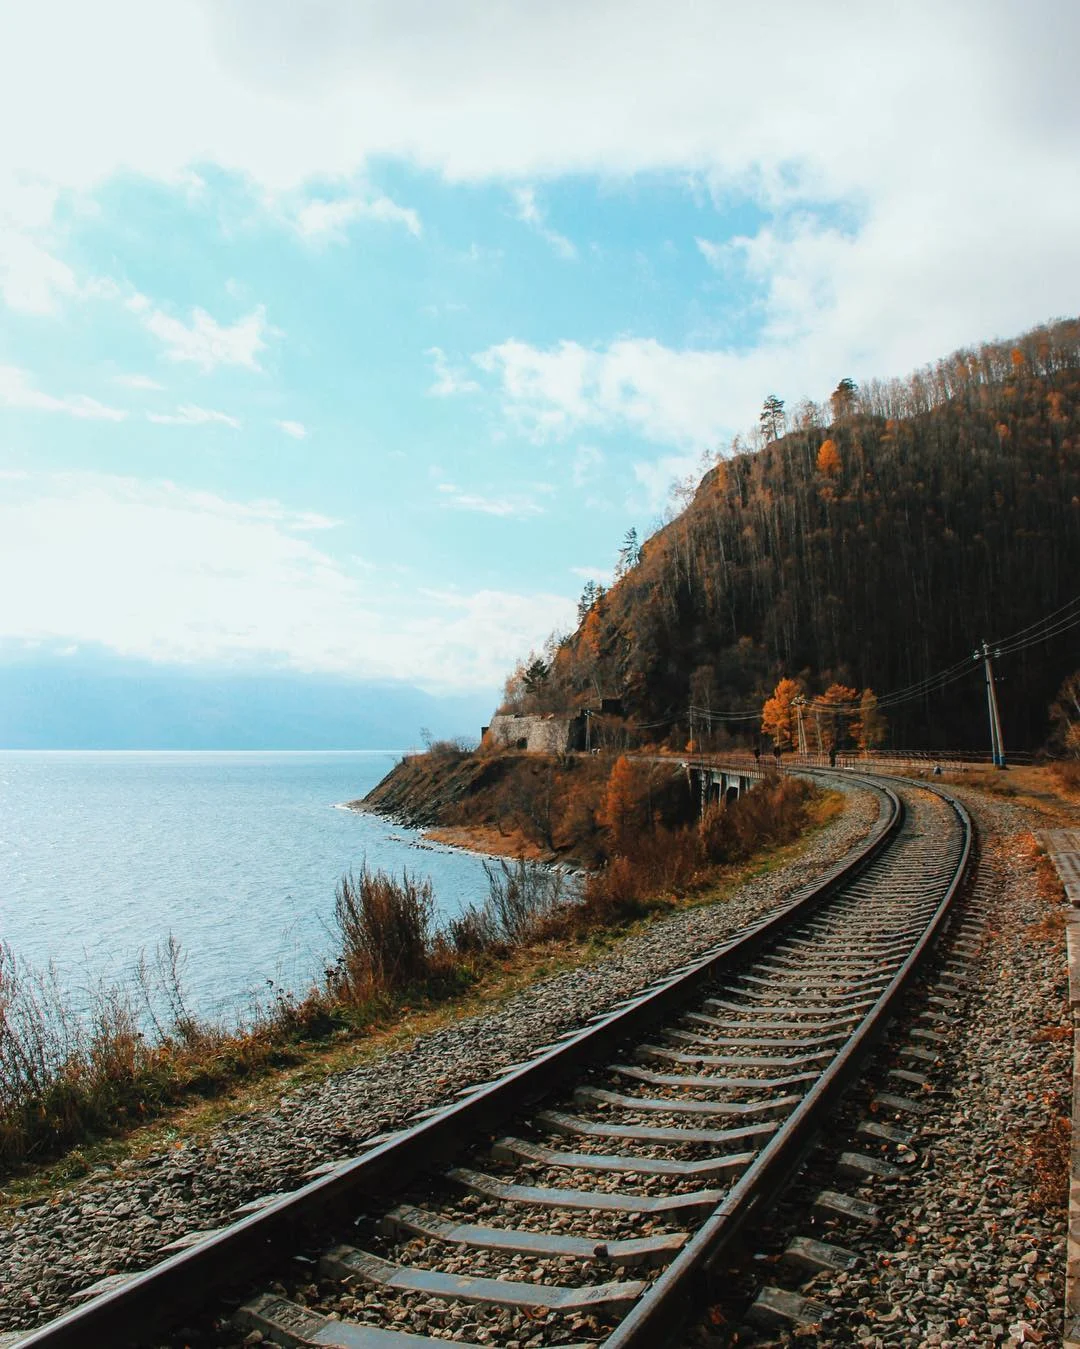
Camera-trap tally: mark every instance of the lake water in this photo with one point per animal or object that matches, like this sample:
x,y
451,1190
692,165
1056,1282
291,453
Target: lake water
x,y
236,854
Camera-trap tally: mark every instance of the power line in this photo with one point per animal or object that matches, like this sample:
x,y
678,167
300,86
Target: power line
x,y
1047,618
1050,625
1063,626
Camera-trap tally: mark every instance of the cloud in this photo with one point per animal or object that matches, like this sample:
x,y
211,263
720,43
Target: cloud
x,y
605,575
530,213
32,280
297,430
669,396
587,462
518,507
320,219
17,391
191,415
160,572
962,243
205,342
137,382
447,381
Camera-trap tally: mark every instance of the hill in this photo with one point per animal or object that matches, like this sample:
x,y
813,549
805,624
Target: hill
x,y
875,543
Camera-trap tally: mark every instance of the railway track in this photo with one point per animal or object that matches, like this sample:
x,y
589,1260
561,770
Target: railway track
x,y
584,1196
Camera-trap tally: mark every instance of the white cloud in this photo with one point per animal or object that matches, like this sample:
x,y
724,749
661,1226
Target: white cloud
x,y
159,572
297,430
605,575
320,219
17,391
672,397
137,382
32,280
529,212
190,415
587,462
963,242
204,341
448,381
515,506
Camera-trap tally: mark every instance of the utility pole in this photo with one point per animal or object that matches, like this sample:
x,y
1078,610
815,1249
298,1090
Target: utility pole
x,y
997,744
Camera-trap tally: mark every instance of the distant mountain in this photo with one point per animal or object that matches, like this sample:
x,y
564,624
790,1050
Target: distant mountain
x,y
874,541
98,702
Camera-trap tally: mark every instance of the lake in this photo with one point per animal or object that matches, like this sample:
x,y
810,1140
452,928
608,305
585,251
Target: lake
x,y
236,854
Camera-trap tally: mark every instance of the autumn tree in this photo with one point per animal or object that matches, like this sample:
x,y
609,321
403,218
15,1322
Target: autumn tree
x,y
870,729
829,462
620,810
514,689
835,710
772,418
779,718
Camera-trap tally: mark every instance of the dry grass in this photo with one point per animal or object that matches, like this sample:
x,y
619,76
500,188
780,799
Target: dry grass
x,y
68,1075
1046,1155
1052,790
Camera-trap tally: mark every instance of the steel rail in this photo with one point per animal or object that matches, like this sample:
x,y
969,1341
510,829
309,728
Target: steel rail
x,y
151,1300
661,1309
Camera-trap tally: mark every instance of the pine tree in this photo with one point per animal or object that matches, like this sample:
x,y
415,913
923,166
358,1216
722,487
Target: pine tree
x,y
588,599
772,419
629,553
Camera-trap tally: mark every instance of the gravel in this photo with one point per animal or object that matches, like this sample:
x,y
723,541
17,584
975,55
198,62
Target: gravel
x,y
970,1249
118,1219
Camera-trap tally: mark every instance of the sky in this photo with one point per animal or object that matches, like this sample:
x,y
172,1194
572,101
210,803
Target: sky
x,y
349,338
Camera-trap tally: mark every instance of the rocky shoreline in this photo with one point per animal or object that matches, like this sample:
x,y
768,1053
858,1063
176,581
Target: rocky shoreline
x,y
120,1218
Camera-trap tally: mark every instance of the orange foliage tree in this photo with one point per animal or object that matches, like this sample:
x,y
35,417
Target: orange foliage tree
x,y
829,462
778,716
620,810
871,728
836,709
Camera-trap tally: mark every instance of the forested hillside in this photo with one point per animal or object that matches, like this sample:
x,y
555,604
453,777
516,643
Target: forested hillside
x,y
873,543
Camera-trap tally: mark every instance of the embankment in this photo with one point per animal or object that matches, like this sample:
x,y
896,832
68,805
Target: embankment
x,y
544,806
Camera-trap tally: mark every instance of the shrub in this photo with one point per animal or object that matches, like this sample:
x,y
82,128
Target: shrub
x,y
521,896
774,812
473,931
1067,772
384,933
